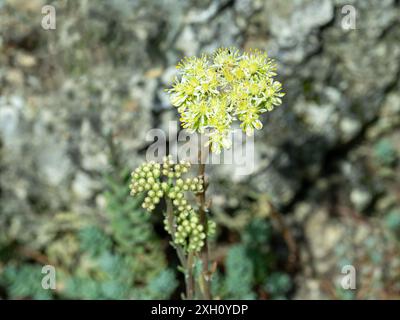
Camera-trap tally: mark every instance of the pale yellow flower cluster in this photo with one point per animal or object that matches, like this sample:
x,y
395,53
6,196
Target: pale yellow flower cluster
x,y
213,91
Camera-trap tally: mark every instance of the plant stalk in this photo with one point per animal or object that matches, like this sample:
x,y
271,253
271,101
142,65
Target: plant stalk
x,y
204,222
190,277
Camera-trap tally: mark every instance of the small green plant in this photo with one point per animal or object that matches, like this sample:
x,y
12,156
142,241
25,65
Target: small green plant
x,y
385,152
250,267
211,93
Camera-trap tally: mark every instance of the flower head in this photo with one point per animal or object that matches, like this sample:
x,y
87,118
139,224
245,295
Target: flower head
x,y
215,90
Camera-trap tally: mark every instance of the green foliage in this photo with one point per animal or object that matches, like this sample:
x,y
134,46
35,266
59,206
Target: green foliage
x,y
114,276
126,262
93,240
278,285
162,285
122,260
256,238
392,220
250,264
109,275
239,273
344,294
24,281
385,152
131,227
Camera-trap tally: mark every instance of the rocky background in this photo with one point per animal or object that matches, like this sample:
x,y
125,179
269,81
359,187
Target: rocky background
x,y
76,104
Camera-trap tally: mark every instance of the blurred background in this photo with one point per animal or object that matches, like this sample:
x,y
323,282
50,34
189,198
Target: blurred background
x,y
77,101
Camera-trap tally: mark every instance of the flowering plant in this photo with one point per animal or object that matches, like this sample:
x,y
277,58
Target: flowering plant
x,y
215,90
211,93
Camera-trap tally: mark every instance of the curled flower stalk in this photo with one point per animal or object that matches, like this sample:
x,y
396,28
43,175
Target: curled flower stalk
x,y
210,93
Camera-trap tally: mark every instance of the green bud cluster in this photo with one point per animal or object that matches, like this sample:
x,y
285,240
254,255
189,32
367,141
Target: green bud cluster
x,y
211,227
146,178
189,232
165,180
176,193
157,179
171,170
